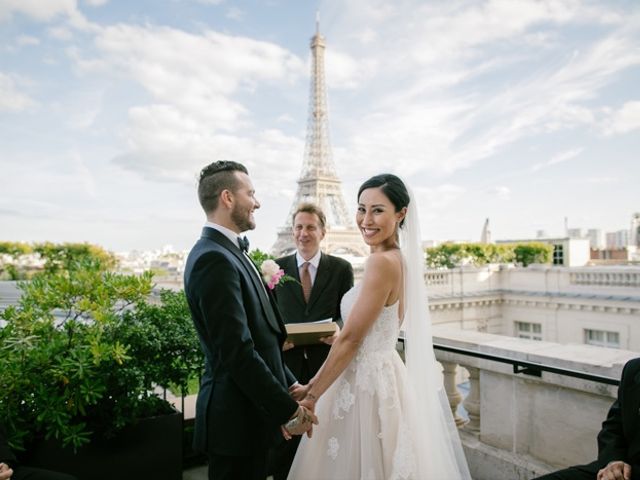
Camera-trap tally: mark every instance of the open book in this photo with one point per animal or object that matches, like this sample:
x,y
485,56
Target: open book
x,y
310,333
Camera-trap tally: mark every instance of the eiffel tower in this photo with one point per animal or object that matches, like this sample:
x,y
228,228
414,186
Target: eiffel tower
x,y
319,182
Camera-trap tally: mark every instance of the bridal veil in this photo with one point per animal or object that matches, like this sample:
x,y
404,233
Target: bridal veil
x,y
436,437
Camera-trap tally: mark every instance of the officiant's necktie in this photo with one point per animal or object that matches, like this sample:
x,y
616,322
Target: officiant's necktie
x,y
243,243
305,280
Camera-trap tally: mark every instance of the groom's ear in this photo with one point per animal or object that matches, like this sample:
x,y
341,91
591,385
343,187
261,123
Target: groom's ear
x,y
226,198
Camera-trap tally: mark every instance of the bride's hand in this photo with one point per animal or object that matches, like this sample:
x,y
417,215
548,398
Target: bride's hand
x,y
298,392
309,401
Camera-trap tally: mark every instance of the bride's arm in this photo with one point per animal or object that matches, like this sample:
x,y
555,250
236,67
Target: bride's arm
x,y
377,284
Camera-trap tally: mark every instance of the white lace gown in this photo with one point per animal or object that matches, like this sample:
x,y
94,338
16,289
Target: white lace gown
x,y
365,416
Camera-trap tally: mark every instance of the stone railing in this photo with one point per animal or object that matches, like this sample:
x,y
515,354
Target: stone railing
x,y
521,426
606,277
462,281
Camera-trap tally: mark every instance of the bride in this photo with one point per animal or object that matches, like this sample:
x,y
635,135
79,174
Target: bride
x,y
378,419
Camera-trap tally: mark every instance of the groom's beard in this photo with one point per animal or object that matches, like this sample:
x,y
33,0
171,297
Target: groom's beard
x,y
242,219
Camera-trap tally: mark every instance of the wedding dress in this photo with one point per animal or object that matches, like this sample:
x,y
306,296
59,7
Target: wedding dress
x,y
381,419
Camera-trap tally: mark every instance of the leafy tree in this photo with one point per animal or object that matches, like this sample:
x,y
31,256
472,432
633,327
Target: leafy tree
x,y
9,254
56,256
450,255
64,256
534,252
172,348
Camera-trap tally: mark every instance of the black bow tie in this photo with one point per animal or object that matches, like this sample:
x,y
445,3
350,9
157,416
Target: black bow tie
x,y
243,243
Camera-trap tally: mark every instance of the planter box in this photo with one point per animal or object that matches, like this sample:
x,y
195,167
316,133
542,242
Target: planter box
x,y
151,449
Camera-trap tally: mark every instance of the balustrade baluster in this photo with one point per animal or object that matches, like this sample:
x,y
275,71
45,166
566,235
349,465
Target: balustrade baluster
x,y
472,402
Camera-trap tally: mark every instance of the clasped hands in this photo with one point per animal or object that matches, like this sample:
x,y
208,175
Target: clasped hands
x,y
301,422
617,470
5,471
304,419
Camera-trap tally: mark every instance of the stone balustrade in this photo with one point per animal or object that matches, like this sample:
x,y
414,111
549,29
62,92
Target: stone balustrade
x,y
606,277
520,426
552,280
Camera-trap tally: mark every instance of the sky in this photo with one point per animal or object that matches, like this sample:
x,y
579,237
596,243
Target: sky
x,y
523,112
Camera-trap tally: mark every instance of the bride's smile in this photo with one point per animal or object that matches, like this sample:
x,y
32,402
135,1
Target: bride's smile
x,y
377,219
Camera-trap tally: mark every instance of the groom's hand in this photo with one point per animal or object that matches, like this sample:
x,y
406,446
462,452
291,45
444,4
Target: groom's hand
x,y
301,422
617,470
297,391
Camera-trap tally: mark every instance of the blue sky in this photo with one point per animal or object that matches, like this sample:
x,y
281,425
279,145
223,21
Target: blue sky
x,y
520,111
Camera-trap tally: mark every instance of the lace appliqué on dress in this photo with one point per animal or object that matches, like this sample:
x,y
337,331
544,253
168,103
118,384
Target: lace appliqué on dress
x,y
404,460
332,451
344,400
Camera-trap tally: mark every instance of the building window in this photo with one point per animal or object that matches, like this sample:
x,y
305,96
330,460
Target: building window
x,y
532,331
602,338
558,255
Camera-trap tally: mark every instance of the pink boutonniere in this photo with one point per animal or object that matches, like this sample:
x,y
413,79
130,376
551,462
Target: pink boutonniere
x,y
271,272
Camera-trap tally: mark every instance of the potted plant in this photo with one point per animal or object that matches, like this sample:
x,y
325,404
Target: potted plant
x,y
82,357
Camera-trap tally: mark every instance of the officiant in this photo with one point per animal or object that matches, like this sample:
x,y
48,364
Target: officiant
x,y
322,280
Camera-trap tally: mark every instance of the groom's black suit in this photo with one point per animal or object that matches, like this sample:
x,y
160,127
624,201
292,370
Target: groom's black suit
x,y
243,397
619,438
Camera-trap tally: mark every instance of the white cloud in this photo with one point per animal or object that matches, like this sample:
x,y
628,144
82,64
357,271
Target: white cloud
x,y
11,99
235,13
598,180
437,198
36,9
27,40
429,103
624,120
558,158
60,33
501,192
96,3
344,71
197,83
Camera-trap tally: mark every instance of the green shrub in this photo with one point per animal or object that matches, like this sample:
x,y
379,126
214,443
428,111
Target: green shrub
x,y
83,351
450,255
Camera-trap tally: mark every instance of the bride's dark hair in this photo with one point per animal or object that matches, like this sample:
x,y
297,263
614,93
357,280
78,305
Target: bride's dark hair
x,y
392,187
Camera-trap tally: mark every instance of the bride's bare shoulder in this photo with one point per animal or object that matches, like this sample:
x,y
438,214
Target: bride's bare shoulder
x,y
382,263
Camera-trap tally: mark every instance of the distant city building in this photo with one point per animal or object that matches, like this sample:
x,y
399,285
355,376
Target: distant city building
x,y
594,305
485,237
575,233
635,230
567,252
619,239
611,256
596,238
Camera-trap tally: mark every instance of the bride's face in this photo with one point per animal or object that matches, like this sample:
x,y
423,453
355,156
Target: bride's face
x,y
377,219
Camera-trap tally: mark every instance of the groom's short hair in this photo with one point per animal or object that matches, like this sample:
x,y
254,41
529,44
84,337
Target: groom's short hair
x,y
216,177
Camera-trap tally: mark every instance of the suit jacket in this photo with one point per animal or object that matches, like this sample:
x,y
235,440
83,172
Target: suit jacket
x,y
333,279
6,455
619,438
243,397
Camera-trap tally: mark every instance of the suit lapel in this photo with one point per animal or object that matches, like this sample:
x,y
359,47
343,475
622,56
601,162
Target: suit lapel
x,y
265,301
290,266
322,278
631,402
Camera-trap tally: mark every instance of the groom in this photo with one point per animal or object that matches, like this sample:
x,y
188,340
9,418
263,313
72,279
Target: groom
x,y
243,402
